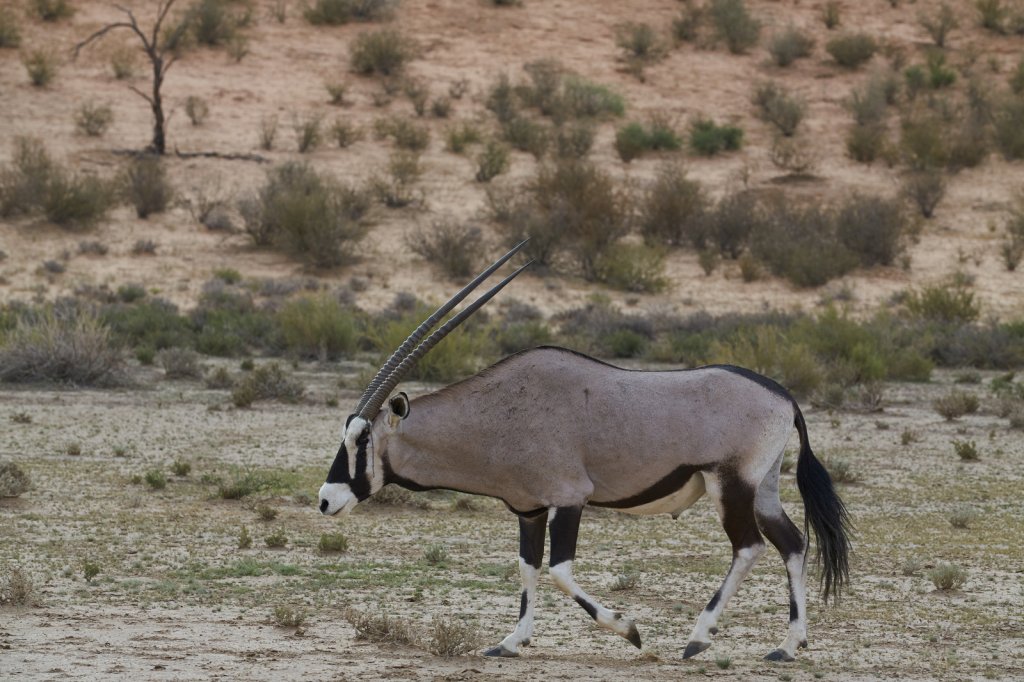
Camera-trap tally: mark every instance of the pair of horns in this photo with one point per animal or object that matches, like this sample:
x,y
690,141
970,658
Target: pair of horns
x,y
412,349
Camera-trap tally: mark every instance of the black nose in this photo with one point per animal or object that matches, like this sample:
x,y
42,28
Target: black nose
x,y
323,506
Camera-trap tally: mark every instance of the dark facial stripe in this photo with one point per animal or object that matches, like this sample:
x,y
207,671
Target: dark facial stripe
x,y
339,468
679,477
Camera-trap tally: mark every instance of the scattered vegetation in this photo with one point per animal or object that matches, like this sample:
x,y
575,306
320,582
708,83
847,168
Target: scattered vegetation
x,y
17,588
287,616
380,627
381,53
267,382
156,479
180,363
277,539
790,44
10,31
13,480
707,138
93,119
947,577
635,139
333,543
449,637
734,24
966,450
956,404
776,106
145,186
41,66
457,248
852,49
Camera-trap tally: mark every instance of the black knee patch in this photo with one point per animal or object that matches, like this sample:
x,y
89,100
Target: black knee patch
x,y
522,605
587,606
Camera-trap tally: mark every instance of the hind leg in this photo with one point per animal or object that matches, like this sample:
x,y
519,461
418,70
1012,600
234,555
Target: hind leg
x,y
782,533
735,501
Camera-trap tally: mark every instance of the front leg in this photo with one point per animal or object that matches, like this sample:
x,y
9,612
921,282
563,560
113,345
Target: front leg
x,y
565,526
531,555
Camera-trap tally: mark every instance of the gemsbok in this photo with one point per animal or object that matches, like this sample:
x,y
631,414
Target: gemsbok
x,y
549,431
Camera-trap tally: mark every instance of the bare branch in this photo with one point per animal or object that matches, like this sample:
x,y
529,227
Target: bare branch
x,y
141,94
99,34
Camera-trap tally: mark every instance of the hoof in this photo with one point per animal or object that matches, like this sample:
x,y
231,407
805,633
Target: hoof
x,y
501,652
779,656
694,648
803,644
633,636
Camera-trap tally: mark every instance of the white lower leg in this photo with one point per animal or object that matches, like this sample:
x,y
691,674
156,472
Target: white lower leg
x,y
742,562
797,635
524,628
562,577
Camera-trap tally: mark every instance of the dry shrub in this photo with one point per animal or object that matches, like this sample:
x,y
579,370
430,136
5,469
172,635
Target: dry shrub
x,y
800,244
17,589
380,627
789,45
852,50
734,24
633,267
956,404
1009,127
63,346
765,350
381,53
952,301
267,382
307,215
492,161
318,326
708,138
41,66
865,143
10,31
288,616
146,187
180,363
13,480
940,23
872,228
93,119
672,210
457,248
450,637
776,106
925,188
947,577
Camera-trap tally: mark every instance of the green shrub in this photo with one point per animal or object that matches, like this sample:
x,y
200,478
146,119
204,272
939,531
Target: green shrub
x,y
396,190
285,616
992,15
10,32
574,141
924,142
62,346
52,10
966,450
872,228
952,301
338,12
318,326
457,248
76,201
406,133
214,23
196,109
307,215
501,99
728,226
526,135
152,323
93,119
672,210
267,382
492,161
228,324
41,67
333,542
776,106
708,139
830,14
181,468
381,53
634,139
939,75
800,244
686,27
461,135
940,23
734,24
146,187
640,46
633,267
156,479
790,44
764,349
516,336
865,143
1009,127
947,577
852,49
24,183
585,99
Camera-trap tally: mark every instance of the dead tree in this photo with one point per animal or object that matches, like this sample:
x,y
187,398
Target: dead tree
x,y
161,52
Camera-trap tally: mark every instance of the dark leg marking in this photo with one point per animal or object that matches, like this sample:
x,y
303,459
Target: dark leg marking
x,y
522,605
793,613
587,606
565,530
714,601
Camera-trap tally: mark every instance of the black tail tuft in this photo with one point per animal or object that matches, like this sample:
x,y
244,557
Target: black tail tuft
x,y
825,513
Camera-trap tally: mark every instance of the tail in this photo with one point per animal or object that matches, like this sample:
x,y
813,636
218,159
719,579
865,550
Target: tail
x,y
825,513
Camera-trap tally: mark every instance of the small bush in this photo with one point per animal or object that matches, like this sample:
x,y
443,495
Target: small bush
x,y
1009,127
76,201
13,480
435,555
625,581
992,15
123,62
267,382
633,267
277,539
196,109
268,132
789,45
966,450
492,161
72,347
734,24
800,243
872,228
307,215
830,14
244,539
940,23
308,134
10,32
461,136
961,517
41,66
778,107
939,75
146,187
956,404
526,135
458,249
286,616
640,46
333,542
865,143
380,53
708,139
925,188
729,225
181,468
450,637
842,471
180,363
852,50
17,589
574,141
634,139
947,577
584,99
1012,247
52,10
406,133
337,12
672,212
266,513
396,190
380,628
24,183
686,27
220,378
950,302
93,119
344,133
144,247
90,569
318,326
156,479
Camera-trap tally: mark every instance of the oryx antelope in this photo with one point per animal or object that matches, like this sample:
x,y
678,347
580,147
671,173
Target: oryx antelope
x,y
549,431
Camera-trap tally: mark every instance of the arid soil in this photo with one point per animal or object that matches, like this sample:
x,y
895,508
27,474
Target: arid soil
x,y
175,598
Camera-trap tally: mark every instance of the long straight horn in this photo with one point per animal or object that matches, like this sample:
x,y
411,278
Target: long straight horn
x,y
373,405
410,343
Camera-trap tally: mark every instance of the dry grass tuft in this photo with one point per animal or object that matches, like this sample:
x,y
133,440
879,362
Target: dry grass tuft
x,y
17,589
13,480
450,637
378,628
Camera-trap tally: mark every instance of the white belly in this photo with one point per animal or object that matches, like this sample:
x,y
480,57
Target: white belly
x,y
675,503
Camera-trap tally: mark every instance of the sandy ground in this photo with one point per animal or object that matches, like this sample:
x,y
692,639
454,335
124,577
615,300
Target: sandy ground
x,y
284,76
175,598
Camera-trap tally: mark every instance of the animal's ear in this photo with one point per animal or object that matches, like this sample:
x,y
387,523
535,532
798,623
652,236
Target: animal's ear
x,y
400,405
